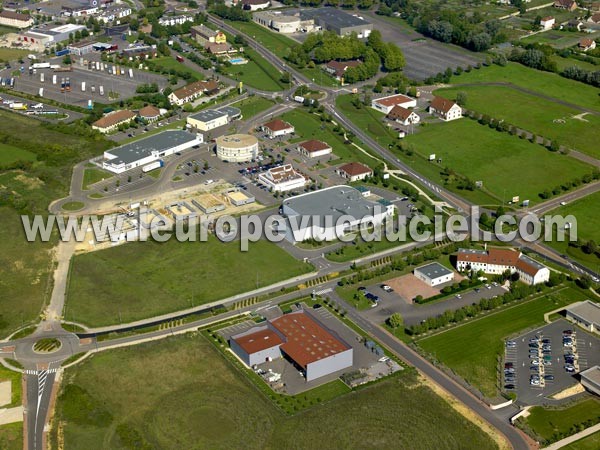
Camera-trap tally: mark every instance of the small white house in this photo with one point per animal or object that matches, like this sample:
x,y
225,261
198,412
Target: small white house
x,y
434,274
445,109
385,104
547,23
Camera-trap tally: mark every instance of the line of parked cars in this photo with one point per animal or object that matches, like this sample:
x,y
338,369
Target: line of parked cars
x,y
540,352
570,349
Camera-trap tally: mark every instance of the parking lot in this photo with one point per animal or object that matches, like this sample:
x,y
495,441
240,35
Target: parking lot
x,y
545,361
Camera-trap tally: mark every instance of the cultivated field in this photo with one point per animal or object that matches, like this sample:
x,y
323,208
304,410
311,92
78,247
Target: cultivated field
x,y
203,402
587,212
550,424
498,159
542,83
471,350
535,114
144,279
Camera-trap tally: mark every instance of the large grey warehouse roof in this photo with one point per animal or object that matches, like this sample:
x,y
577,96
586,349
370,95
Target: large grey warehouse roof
x,y
335,201
231,111
137,150
208,114
587,310
433,270
333,17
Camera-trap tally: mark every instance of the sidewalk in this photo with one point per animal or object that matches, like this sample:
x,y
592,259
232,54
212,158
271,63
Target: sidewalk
x,y
566,441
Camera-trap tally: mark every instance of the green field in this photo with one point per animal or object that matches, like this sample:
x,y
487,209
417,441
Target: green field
x,y
11,436
555,424
257,73
587,212
498,159
253,105
563,63
91,176
309,126
543,83
170,63
144,279
471,350
10,154
592,442
203,402
558,39
16,385
9,54
533,114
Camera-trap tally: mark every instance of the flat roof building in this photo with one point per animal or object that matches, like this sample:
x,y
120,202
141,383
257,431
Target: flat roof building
x,y
300,338
237,147
282,178
338,21
590,379
332,211
208,119
434,274
149,149
586,314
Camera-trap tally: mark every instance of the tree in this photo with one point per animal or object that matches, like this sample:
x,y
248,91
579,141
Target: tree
x,y
461,98
396,320
585,281
590,247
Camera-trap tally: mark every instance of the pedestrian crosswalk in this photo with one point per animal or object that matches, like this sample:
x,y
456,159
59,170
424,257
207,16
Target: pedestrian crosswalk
x,y
38,372
323,291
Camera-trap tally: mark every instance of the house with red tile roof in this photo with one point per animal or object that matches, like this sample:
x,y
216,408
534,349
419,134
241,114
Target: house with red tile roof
x,y
314,148
354,171
277,127
569,5
586,44
496,261
547,22
403,115
385,104
111,121
149,113
338,68
445,109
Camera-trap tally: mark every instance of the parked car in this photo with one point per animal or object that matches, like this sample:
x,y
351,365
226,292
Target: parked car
x,y
509,386
549,377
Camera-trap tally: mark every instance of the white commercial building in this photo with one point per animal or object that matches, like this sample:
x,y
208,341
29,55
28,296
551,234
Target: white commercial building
x,y
237,147
147,150
590,379
282,178
208,119
330,213
586,314
386,104
496,261
434,274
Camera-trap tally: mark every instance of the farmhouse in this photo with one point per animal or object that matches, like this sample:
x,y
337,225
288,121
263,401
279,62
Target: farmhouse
x,y
208,119
203,34
314,148
496,261
547,23
327,207
433,274
586,44
277,127
282,178
298,337
15,19
386,104
111,121
569,5
338,68
149,149
590,379
149,113
445,109
586,314
193,91
403,115
354,171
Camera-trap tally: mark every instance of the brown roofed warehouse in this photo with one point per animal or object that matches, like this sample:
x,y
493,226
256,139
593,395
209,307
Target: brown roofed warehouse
x,y
300,338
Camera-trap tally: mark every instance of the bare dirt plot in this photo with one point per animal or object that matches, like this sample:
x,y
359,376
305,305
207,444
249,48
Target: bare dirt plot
x,y
424,57
408,287
5,392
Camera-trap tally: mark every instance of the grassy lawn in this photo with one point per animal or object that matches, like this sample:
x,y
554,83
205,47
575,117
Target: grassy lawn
x,y
169,63
277,43
351,252
72,206
9,54
534,114
11,436
91,176
587,212
232,412
309,126
257,73
557,38
471,350
480,153
10,154
563,63
554,424
170,276
592,442
544,83
15,379
253,105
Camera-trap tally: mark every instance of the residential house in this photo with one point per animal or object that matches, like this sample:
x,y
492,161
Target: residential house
x,y
277,127
575,24
594,18
547,23
149,113
219,49
111,121
445,109
569,5
193,91
354,171
15,19
338,68
385,104
404,116
202,34
586,44
314,148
